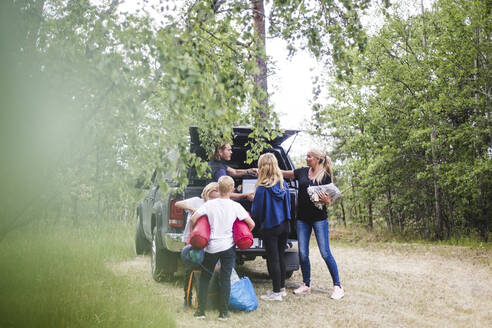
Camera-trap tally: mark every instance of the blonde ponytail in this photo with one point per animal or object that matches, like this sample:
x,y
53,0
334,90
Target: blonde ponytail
x,y
328,166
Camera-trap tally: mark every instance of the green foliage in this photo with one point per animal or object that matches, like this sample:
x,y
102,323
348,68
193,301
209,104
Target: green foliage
x,y
85,76
66,276
414,122
111,96
329,29
111,99
93,101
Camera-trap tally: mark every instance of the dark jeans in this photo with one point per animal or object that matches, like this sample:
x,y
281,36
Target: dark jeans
x,y
227,259
321,231
275,241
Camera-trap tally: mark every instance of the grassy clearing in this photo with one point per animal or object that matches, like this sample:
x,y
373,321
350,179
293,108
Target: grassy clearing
x,y
386,284
57,276
359,235
88,276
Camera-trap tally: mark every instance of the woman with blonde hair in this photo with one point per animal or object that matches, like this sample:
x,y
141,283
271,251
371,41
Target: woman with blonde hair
x,y
318,172
271,208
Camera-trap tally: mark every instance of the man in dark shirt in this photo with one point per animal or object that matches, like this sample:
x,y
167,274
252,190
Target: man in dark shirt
x,y
219,168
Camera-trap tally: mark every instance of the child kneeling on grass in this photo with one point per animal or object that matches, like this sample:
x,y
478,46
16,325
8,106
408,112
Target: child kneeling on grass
x,y
221,212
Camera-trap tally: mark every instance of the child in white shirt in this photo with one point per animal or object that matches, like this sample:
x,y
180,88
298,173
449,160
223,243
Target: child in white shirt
x,y
221,212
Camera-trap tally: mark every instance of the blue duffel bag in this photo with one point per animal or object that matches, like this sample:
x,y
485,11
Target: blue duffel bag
x,y
243,296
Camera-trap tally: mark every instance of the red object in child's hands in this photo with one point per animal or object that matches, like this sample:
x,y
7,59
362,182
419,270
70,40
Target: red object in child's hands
x,y
200,234
243,238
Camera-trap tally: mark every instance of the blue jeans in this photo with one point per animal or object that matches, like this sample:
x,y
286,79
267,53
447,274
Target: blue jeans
x,y
321,231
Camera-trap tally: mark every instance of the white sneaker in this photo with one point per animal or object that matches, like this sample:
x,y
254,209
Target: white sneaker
x,y
282,292
272,296
303,289
338,293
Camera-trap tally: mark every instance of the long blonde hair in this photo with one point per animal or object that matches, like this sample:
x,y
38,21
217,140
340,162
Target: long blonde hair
x,y
324,162
268,171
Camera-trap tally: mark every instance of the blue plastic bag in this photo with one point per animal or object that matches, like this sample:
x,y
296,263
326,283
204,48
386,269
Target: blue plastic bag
x,y
243,296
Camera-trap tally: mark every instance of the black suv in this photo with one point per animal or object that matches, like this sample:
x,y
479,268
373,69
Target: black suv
x,y
160,223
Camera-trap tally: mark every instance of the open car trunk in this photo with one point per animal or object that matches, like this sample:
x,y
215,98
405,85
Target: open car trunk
x,y
239,147
239,151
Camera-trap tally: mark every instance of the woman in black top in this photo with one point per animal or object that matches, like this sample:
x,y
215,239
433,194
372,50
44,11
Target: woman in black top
x,y
318,172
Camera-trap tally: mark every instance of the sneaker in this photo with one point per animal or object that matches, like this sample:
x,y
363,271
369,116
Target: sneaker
x,y
223,316
338,293
282,292
303,289
199,314
272,296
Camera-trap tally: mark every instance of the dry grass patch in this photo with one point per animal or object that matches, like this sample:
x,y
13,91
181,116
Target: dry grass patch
x,y
386,285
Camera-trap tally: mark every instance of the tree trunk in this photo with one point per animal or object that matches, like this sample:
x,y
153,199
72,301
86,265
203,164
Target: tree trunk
x,y
371,223
390,210
437,192
400,222
437,206
343,213
261,78
476,64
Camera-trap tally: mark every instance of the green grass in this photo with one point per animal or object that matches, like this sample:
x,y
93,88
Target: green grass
x,y
57,276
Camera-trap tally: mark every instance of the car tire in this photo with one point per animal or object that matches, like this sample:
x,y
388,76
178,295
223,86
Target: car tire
x,y
142,245
163,262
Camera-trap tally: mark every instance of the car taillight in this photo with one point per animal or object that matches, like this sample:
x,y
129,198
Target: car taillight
x,y
176,215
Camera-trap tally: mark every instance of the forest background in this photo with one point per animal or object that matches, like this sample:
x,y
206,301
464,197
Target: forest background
x,y
95,99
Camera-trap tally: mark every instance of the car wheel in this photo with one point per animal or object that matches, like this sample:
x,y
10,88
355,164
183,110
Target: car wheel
x,y
142,245
289,274
163,262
